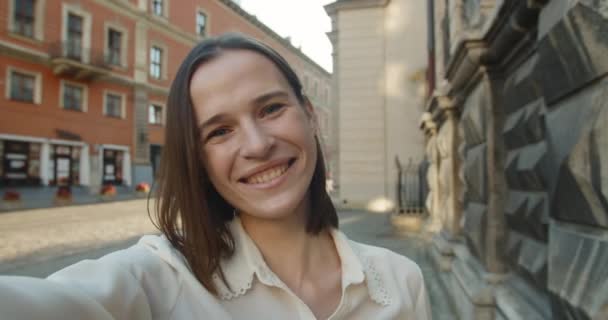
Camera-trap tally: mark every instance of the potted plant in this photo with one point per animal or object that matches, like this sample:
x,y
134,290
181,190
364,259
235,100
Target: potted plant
x,y
142,188
108,191
63,195
11,200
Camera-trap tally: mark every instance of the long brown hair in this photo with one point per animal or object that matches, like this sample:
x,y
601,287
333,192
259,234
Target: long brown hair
x,y
189,211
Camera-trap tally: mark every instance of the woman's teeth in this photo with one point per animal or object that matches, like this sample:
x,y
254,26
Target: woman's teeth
x,y
268,175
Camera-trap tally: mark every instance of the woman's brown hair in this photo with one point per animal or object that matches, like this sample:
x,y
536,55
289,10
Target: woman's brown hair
x,y
189,211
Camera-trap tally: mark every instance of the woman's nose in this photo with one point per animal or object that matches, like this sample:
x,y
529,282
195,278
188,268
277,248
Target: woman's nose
x,y
257,142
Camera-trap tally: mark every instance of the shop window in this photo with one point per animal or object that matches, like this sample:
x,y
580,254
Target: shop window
x,y
64,167
20,163
62,159
1,158
112,166
33,171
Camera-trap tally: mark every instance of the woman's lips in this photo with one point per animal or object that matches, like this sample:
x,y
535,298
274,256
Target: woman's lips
x,y
269,177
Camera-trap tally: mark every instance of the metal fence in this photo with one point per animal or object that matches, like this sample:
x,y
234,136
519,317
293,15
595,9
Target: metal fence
x,y
412,187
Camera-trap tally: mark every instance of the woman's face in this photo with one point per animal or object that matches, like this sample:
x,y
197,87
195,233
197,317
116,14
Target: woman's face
x,y
258,145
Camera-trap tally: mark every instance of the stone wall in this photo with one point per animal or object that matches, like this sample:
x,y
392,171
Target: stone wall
x,y
527,85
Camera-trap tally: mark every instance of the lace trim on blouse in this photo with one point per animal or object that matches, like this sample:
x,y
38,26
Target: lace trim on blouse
x,y
375,284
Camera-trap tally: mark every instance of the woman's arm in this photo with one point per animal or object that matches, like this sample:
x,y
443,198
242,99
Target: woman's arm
x,y
32,298
108,288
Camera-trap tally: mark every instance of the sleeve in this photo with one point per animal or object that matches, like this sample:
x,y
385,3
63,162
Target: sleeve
x,y
32,298
109,282
413,288
101,289
422,307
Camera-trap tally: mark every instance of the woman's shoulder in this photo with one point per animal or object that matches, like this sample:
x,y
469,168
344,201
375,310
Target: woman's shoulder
x,y
150,254
395,278
385,257
395,270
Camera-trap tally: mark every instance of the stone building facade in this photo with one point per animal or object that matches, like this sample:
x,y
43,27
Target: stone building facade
x,y
517,140
84,84
379,60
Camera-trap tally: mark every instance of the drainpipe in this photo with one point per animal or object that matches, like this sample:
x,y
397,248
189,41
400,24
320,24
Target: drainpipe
x,y
430,70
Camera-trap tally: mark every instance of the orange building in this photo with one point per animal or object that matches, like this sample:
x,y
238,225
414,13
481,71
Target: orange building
x,y
85,83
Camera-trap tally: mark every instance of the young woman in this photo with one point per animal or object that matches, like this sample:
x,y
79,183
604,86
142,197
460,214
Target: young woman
x,y
249,231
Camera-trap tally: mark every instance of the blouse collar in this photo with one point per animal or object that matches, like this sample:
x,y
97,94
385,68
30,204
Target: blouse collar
x,y
247,262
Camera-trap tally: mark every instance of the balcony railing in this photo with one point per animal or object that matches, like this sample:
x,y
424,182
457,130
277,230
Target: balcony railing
x,y
70,58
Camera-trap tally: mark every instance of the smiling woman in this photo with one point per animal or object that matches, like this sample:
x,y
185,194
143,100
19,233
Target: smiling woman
x,y
249,231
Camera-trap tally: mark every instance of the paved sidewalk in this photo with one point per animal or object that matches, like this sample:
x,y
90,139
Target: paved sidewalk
x,y
44,197
31,236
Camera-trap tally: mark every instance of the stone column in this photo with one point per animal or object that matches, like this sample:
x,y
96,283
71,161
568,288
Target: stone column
x,y
45,155
450,174
85,170
497,185
432,201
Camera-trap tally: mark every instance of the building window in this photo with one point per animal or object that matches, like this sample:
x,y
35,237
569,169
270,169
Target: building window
x,y
155,114
156,55
74,36
73,97
112,166
113,106
19,163
23,22
23,86
157,7
201,24
114,47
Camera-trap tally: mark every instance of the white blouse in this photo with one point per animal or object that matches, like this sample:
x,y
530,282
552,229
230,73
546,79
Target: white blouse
x,y
151,280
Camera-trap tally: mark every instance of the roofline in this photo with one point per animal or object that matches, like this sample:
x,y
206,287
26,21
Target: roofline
x,y
353,4
251,18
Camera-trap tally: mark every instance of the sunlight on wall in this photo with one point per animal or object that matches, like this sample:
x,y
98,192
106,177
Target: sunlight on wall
x,y
380,204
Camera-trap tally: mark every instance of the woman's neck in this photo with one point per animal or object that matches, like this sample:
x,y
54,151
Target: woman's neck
x,y
294,255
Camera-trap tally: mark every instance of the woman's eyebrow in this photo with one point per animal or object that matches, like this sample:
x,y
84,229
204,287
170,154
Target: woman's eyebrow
x,y
216,118
270,95
257,101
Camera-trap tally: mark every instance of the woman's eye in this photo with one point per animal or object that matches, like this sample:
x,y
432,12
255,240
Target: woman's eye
x,y
273,108
218,133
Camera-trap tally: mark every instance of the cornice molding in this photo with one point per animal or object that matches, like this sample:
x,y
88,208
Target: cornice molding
x,y
12,49
43,59
332,8
502,41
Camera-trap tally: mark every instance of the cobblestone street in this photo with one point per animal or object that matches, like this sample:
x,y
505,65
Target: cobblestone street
x,y
38,242
32,236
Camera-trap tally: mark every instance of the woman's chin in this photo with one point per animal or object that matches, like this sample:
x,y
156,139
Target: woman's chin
x,y
274,211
